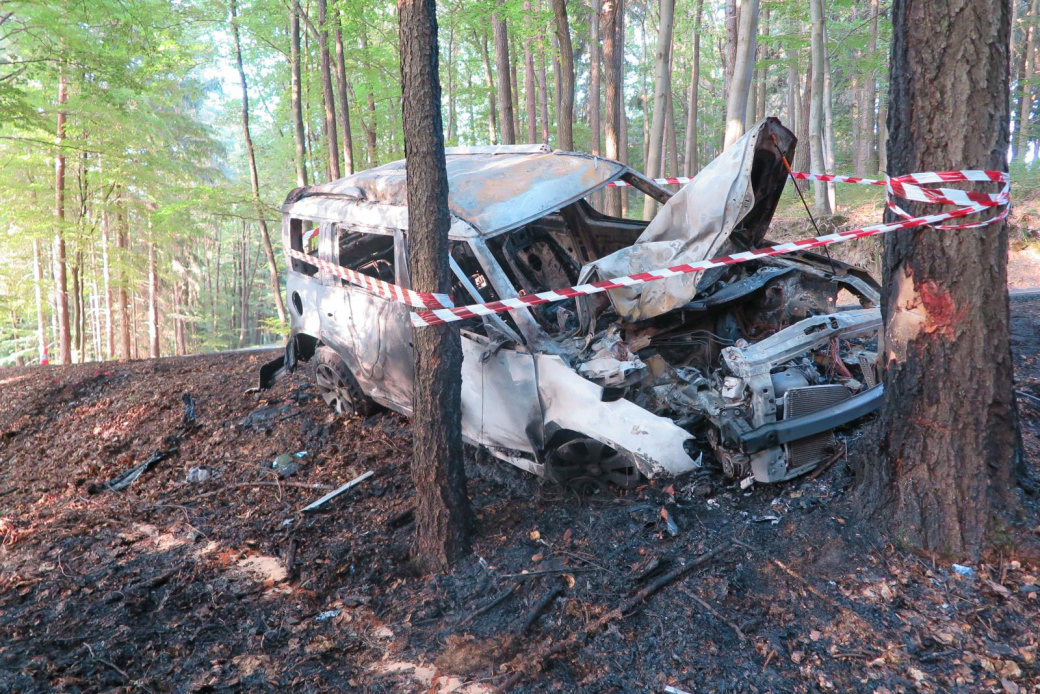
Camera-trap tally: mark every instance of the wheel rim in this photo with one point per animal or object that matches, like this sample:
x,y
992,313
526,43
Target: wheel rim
x,y
333,389
584,459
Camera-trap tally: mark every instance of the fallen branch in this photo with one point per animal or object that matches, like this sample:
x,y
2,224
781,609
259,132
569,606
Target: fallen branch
x,y
528,666
316,506
713,611
495,602
540,607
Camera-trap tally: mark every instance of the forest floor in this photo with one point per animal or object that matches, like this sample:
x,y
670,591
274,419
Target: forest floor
x,y
222,584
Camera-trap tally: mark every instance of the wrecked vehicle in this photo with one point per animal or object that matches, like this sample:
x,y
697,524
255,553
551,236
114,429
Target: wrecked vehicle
x,y
750,365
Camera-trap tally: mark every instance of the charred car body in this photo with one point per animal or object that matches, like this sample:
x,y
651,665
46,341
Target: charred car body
x,y
751,365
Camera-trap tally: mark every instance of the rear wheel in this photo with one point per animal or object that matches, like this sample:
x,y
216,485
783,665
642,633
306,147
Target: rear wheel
x,y
586,463
337,385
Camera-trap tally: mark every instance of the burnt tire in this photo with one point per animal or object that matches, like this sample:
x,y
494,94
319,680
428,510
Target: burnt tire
x,y
337,385
582,461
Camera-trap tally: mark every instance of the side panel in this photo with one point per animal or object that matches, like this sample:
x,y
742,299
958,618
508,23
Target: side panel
x,y
500,405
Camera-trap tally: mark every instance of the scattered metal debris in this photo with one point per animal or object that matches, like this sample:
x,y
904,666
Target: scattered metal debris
x,y
285,464
317,505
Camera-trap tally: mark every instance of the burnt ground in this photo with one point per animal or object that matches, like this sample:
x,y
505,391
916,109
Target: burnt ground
x,y
221,584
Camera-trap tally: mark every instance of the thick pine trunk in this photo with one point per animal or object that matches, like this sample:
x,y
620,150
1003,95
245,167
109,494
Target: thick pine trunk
x,y
443,516
950,438
254,179
743,66
296,97
612,23
507,128
691,162
662,87
565,118
61,288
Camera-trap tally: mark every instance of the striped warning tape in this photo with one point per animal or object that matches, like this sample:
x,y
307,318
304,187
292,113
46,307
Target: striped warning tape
x,y
439,308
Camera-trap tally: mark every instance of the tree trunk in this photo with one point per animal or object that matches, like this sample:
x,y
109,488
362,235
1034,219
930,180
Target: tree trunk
x,y
344,106
254,179
443,517
816,115
802,157
327,95
662,87
691,162
543,96
595,73
530,97
612,24
730,58
41,331
61,290
763,75
106,276
1026,86
153,301
828,123
507,129
299,136
793,94
868,103
565,118
883,135
514,83
950,438
744,64
121,295
492,96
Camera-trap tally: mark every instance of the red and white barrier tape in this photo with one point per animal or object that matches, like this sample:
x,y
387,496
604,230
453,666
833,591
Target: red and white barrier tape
x,y
441,310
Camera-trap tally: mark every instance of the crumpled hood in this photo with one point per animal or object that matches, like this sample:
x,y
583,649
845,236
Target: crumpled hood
x,y
738,189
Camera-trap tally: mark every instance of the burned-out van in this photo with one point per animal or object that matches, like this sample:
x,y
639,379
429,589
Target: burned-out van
x,y
751,365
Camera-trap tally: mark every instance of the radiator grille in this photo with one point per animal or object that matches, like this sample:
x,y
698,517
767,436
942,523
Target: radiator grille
x,y
812,450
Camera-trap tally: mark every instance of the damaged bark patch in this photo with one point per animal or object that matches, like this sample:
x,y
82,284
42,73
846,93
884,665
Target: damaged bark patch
x,y
914,309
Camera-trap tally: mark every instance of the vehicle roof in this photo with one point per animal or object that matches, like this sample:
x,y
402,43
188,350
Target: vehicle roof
x,y
493,189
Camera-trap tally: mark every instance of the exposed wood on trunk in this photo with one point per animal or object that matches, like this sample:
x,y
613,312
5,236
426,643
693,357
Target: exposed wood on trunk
x,y
254,179
950,439
743,65
662,88
565,117
443,517
507,129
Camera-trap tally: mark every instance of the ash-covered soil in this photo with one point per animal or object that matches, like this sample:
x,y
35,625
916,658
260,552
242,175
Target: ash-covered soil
x,y
220,583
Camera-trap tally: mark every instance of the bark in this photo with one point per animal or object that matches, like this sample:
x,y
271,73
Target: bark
x,y
691,162
730,57
1022,127
121,295
543,97
883,136
622,112
492,96
565,117
530,97
950,438
254,179
763,75
299,136
506,129
106,275
804,106
443,516
153,302
514,82
595,73
868,104
41,330
344,106
327,95
816,115
662,87
670,161
612,24
793,94
828,122
61,290
178,320
743,65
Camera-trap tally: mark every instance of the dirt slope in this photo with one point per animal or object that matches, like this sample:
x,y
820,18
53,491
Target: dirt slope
x,y
221,584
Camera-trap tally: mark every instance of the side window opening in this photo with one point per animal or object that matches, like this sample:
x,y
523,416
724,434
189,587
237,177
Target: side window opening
x,y
372,254
463,256
303,237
